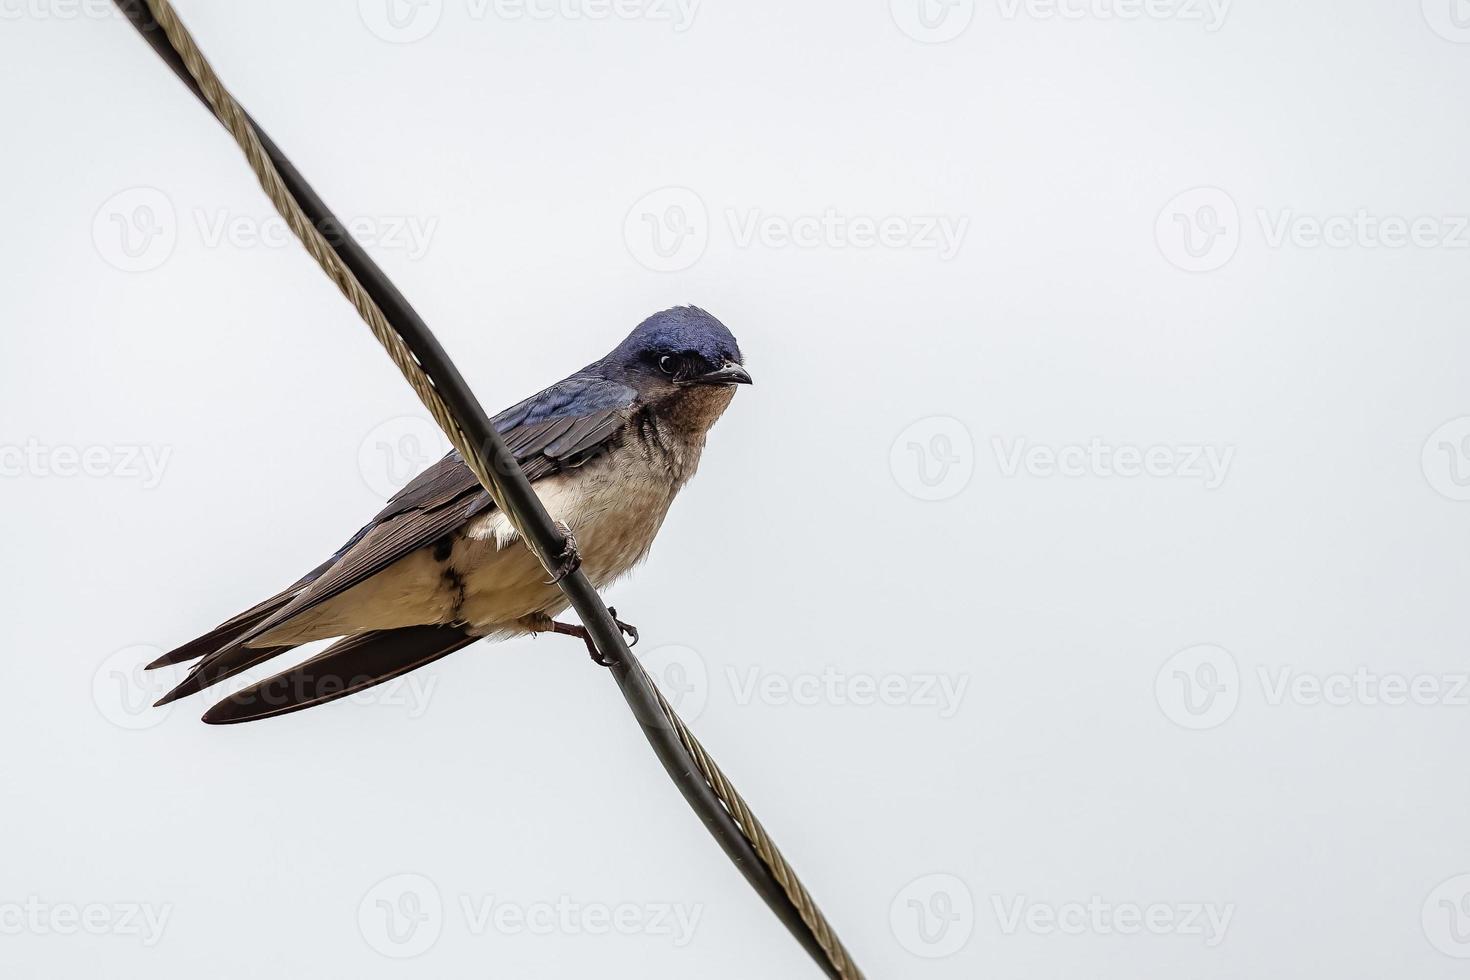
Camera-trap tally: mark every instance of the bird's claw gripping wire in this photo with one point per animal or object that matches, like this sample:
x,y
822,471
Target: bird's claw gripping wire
x,y
570,558
628,629
567,629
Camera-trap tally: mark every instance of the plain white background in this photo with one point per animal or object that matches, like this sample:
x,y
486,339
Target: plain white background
x,y
1078,595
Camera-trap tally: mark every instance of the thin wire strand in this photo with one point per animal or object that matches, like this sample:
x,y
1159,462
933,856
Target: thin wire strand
x,y
235,120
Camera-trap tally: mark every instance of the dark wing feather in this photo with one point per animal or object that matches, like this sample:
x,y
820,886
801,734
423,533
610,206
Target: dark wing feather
x,y
218,666
346,667
557,429
227,634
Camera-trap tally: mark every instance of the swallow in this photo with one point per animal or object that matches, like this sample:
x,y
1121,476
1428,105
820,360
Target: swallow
x,y
440,567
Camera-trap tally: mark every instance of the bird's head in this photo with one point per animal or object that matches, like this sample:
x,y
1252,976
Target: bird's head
x,y
675,350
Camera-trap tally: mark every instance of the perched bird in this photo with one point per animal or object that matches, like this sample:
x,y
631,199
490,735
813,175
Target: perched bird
x,y
606,450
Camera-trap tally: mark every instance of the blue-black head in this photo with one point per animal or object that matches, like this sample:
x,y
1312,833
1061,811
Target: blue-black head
x,y
677,348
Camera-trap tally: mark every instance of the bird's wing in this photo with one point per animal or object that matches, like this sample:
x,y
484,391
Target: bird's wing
x,y
561,427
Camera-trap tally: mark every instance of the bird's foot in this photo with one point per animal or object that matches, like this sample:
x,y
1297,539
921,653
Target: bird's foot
x,y
628,629
568,629
570,559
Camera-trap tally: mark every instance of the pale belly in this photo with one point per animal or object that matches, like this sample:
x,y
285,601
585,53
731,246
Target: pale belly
x,y
614,513
489,579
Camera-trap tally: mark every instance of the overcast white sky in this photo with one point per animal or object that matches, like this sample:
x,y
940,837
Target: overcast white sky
x,y
1079,592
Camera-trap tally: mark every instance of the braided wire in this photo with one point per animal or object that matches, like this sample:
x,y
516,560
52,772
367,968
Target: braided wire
x,y
761,841
235,120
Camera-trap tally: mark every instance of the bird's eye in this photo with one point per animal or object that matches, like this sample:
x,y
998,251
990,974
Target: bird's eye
x,y
667,364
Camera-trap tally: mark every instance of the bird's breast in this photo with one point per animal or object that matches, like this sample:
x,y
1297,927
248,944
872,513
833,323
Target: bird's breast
x,y
613,504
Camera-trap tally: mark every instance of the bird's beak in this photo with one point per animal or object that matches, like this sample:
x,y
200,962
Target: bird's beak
x,y
728,373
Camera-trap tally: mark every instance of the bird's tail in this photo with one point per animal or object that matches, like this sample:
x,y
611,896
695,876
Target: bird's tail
x,y
346,667
231,630
223,635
